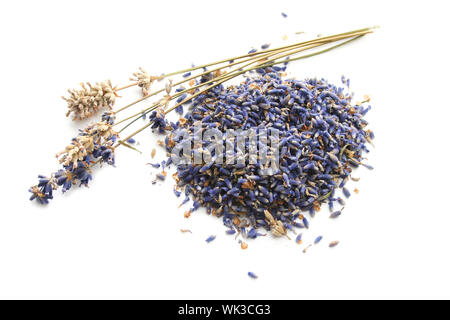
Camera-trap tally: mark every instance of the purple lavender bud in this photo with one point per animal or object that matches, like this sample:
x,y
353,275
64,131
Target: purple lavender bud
x,y
318,239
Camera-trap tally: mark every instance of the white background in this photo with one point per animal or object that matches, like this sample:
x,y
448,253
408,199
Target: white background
x,y
120,237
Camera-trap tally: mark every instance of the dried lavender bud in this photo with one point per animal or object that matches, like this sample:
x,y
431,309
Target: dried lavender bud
x,y
318,239
160,176
336,214
253,234
89,99
305,223
333,244
177,193
346,192
252,275
168,87
186,200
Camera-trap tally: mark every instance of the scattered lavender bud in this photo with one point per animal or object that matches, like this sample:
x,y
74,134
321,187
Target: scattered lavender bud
x,y
333,244
346,192
161,176
305,223
336,214
318,239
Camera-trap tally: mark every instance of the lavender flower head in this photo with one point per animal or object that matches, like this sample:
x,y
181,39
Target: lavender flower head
x,y
89,99
159,121
93,144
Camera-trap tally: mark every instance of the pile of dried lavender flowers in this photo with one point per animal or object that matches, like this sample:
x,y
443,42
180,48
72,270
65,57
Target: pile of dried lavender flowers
x,y
322,136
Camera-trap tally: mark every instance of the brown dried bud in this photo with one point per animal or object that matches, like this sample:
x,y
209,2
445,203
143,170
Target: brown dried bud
x,y
144,80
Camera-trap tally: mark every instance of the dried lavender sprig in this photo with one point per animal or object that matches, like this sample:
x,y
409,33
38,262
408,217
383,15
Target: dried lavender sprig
x,y
252,55
232,74
87,101
206,72
94,144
